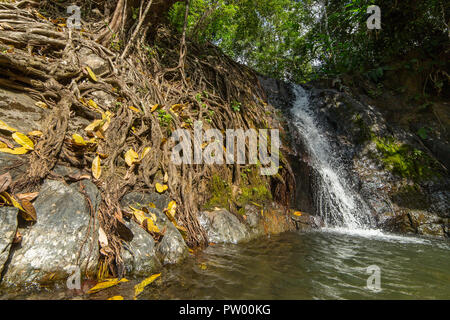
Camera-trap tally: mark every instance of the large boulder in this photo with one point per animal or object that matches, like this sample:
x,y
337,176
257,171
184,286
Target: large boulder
x,y
222,226
8,227
172,248
139,255
64,231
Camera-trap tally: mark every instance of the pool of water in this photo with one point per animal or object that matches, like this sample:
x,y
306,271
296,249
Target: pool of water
x,y
330,264
327,264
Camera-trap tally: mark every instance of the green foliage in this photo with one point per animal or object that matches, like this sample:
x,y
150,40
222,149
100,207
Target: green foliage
x,y
165,119
300,40
220,193
236,106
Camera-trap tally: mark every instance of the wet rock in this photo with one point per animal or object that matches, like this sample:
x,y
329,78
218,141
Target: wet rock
x,y
139,255
222,226
8,227
50,248
432,229
441,203
306,222
172,248
19,111
253,215
90,59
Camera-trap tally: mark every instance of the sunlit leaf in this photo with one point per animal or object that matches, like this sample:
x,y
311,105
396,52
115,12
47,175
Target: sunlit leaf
x,y
78,140
94,125
102,238
134,109
92,104
161,188
91,74
131,157
141,286
28,212
106,284
156,106
41,104
27,196
145,221
4,126
11,201
23,140
96,168
35,133
145,152
21,150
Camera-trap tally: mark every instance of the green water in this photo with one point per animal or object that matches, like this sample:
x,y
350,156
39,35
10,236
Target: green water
x,y
319,265
316,265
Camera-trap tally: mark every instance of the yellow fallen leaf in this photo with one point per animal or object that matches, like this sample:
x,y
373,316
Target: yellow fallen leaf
x,y
4,126
146,150
41,104
297,213
146,222
134,109
156,106
91,74
106,284
172,208
92,104
35,133
96,168
23,140
141,286
3,145
78,140
161,188
203,266
116,298
21,150
28,212
151,205
94,125
12,201
131,157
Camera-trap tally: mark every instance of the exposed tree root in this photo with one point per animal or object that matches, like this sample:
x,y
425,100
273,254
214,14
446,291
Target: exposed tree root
x,y
42,59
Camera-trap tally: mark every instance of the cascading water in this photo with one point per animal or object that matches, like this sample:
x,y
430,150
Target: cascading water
x,y
335,201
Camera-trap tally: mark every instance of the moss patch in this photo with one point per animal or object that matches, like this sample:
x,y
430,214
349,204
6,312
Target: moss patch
x,y
404,160
253,188
220,193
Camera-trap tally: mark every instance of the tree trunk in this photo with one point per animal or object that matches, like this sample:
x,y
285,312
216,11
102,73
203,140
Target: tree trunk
x,y
119,23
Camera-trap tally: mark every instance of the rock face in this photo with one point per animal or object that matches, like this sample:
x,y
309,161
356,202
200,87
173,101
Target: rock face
x,y
19,111
8,227
355,129
172,248
50,248
223,227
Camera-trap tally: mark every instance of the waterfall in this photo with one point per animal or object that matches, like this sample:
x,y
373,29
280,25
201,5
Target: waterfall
x,y
335,201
